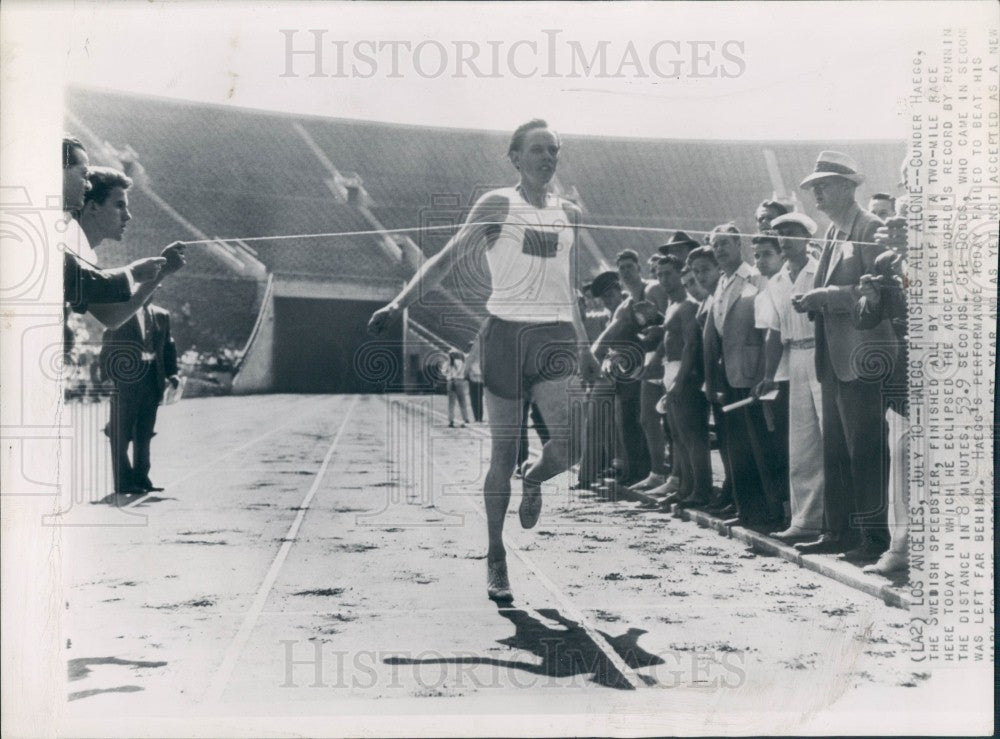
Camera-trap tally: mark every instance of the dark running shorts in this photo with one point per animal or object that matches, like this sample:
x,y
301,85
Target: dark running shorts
x,y
517,355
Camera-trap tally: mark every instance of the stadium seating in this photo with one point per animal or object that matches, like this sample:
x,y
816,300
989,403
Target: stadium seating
x,y
240,173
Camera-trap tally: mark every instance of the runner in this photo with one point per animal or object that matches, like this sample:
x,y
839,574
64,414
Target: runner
x,y
534,339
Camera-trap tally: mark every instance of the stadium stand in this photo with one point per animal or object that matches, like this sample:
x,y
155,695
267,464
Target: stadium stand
x,y
242,173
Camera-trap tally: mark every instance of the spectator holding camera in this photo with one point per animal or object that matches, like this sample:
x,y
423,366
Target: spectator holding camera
x,y
623,353
882,296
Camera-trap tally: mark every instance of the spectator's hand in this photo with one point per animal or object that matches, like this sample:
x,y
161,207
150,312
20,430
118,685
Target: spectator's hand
x,y
144,270
763,387
645,313
589,369
174,254
814,300
174,381
651,336
892,235
383,318
869,289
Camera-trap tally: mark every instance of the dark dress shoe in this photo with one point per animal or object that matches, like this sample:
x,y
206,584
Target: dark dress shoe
x,y
131,490
866,553
147,486
728,512
826,544
692,501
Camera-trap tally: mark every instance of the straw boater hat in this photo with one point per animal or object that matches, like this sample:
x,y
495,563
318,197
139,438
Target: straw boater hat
x,y
834,164
800,218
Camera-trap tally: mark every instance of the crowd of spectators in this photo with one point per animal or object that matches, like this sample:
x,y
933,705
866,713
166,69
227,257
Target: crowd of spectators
x,y
789,365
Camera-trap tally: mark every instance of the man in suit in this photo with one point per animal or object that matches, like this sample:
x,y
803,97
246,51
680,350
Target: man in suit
x,y
138,354
703,266
851,365
85,285
687,410
140,358
734,363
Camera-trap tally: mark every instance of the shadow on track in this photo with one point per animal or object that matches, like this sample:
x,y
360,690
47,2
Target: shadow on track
x,y
564,651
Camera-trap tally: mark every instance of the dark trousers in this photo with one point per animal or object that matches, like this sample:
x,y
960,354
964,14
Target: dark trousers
x,y
476,400
744,431
855,460
133,416
598,438
726,495
628,408
687,415
775,474
531,410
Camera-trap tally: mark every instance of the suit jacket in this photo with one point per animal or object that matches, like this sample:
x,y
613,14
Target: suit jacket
x,y
121,353
891,307
739,352
83,285
844,350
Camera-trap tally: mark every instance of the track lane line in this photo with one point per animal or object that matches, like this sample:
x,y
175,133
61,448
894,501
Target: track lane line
x,y
212,465
626,672
222,675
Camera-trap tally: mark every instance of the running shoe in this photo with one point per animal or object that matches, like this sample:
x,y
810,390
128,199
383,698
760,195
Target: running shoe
x,y
531,504
497,584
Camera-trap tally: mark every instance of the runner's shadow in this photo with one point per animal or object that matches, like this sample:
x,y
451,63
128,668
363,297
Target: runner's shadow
x,y
564,651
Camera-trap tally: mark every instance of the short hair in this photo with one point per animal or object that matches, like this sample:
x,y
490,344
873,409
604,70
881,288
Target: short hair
x,y
775,205
884,196
702,252
768,237
726,229
674,261
69,145
102,181
627,254
517,140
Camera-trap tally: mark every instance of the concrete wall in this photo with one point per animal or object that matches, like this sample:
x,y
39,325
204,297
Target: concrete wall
x,y
256,371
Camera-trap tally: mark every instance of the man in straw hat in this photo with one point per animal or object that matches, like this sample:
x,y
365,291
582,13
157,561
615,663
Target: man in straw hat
x,y
851,365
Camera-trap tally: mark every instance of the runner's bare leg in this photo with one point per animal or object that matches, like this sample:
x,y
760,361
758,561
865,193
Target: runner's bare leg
x,y
505,425
553,400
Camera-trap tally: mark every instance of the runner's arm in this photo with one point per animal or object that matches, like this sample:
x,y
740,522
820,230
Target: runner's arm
x,y
480,225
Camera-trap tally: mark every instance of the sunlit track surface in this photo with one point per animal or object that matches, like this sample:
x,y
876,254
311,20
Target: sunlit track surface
x,y
380,590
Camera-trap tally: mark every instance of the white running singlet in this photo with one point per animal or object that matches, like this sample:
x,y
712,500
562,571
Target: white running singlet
x,y
530,261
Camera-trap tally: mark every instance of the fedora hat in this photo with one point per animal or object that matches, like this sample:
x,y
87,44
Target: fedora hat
x,y
600,284
678,240
834,164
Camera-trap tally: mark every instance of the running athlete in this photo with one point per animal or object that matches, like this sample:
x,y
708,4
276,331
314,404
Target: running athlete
x,y
534,330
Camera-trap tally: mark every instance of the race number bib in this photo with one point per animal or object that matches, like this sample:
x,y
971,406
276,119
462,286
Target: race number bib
x,y
540,243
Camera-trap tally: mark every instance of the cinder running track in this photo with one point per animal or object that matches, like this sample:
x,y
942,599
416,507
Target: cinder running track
x,y
311,554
